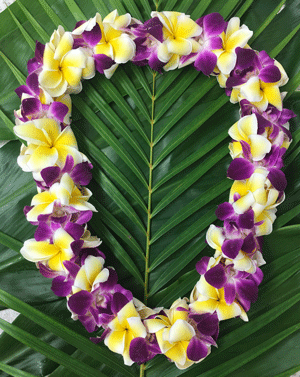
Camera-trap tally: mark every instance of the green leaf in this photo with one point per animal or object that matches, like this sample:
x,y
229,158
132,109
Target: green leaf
x,y
41,32
10,242
52,325
52,353
52,15
75,10
14,372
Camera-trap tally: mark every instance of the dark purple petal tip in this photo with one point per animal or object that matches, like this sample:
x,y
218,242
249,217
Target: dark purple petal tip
x,y
224,211
80,302
201,265
138,350
278,179
196,349
216,276
231,248
240,169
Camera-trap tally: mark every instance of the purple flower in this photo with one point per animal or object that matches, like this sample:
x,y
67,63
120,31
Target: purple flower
x,y
81,173
207,329
149,36
33,104
142,350
250,64
36,64
94,303
205,60
238,285
272,117
87,33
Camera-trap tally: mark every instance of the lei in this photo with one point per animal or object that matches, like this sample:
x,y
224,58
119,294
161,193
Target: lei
x,y
64,249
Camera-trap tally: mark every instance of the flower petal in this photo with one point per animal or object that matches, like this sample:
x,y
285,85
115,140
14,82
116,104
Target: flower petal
x,y
260,146
42,157
196,349
74,58
226,62
186,27
180,331
115,341
124,49
49,63
179,46
137,327
239,38
35,251
251,90
177,354
206,62
65,45
50,79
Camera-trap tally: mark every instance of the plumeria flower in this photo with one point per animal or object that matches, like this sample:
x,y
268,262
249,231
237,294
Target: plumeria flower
x,y
183,337
53,255
89,290
257,78
234,36
116,45
205,59
62,66
61,194
80,173
207,299
126,326
37,103
47,144
90,275
178,33
237,284
271,118
173,332
148,37
258,193
245,135
235,242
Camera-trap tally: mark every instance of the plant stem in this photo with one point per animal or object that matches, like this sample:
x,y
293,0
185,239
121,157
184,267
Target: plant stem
x,y
149,195
142,367
142,370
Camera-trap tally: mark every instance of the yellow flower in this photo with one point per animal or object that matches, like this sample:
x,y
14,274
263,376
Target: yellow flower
x,y
246,130
63,193
47,144
258,193
260,93
115,42
207,299
235,36
126,326
62,66
90,274
173,333
53,255
178,33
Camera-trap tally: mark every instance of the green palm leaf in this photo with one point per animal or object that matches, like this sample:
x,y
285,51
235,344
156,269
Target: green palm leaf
x,y
158,144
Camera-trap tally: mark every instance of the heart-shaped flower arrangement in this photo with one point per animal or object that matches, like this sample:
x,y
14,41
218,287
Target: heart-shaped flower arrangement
x,y
64,249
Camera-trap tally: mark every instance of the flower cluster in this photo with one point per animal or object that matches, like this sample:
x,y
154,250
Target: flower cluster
x,y
63,248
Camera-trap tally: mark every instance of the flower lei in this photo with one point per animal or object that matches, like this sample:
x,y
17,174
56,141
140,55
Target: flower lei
x,y
63,248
